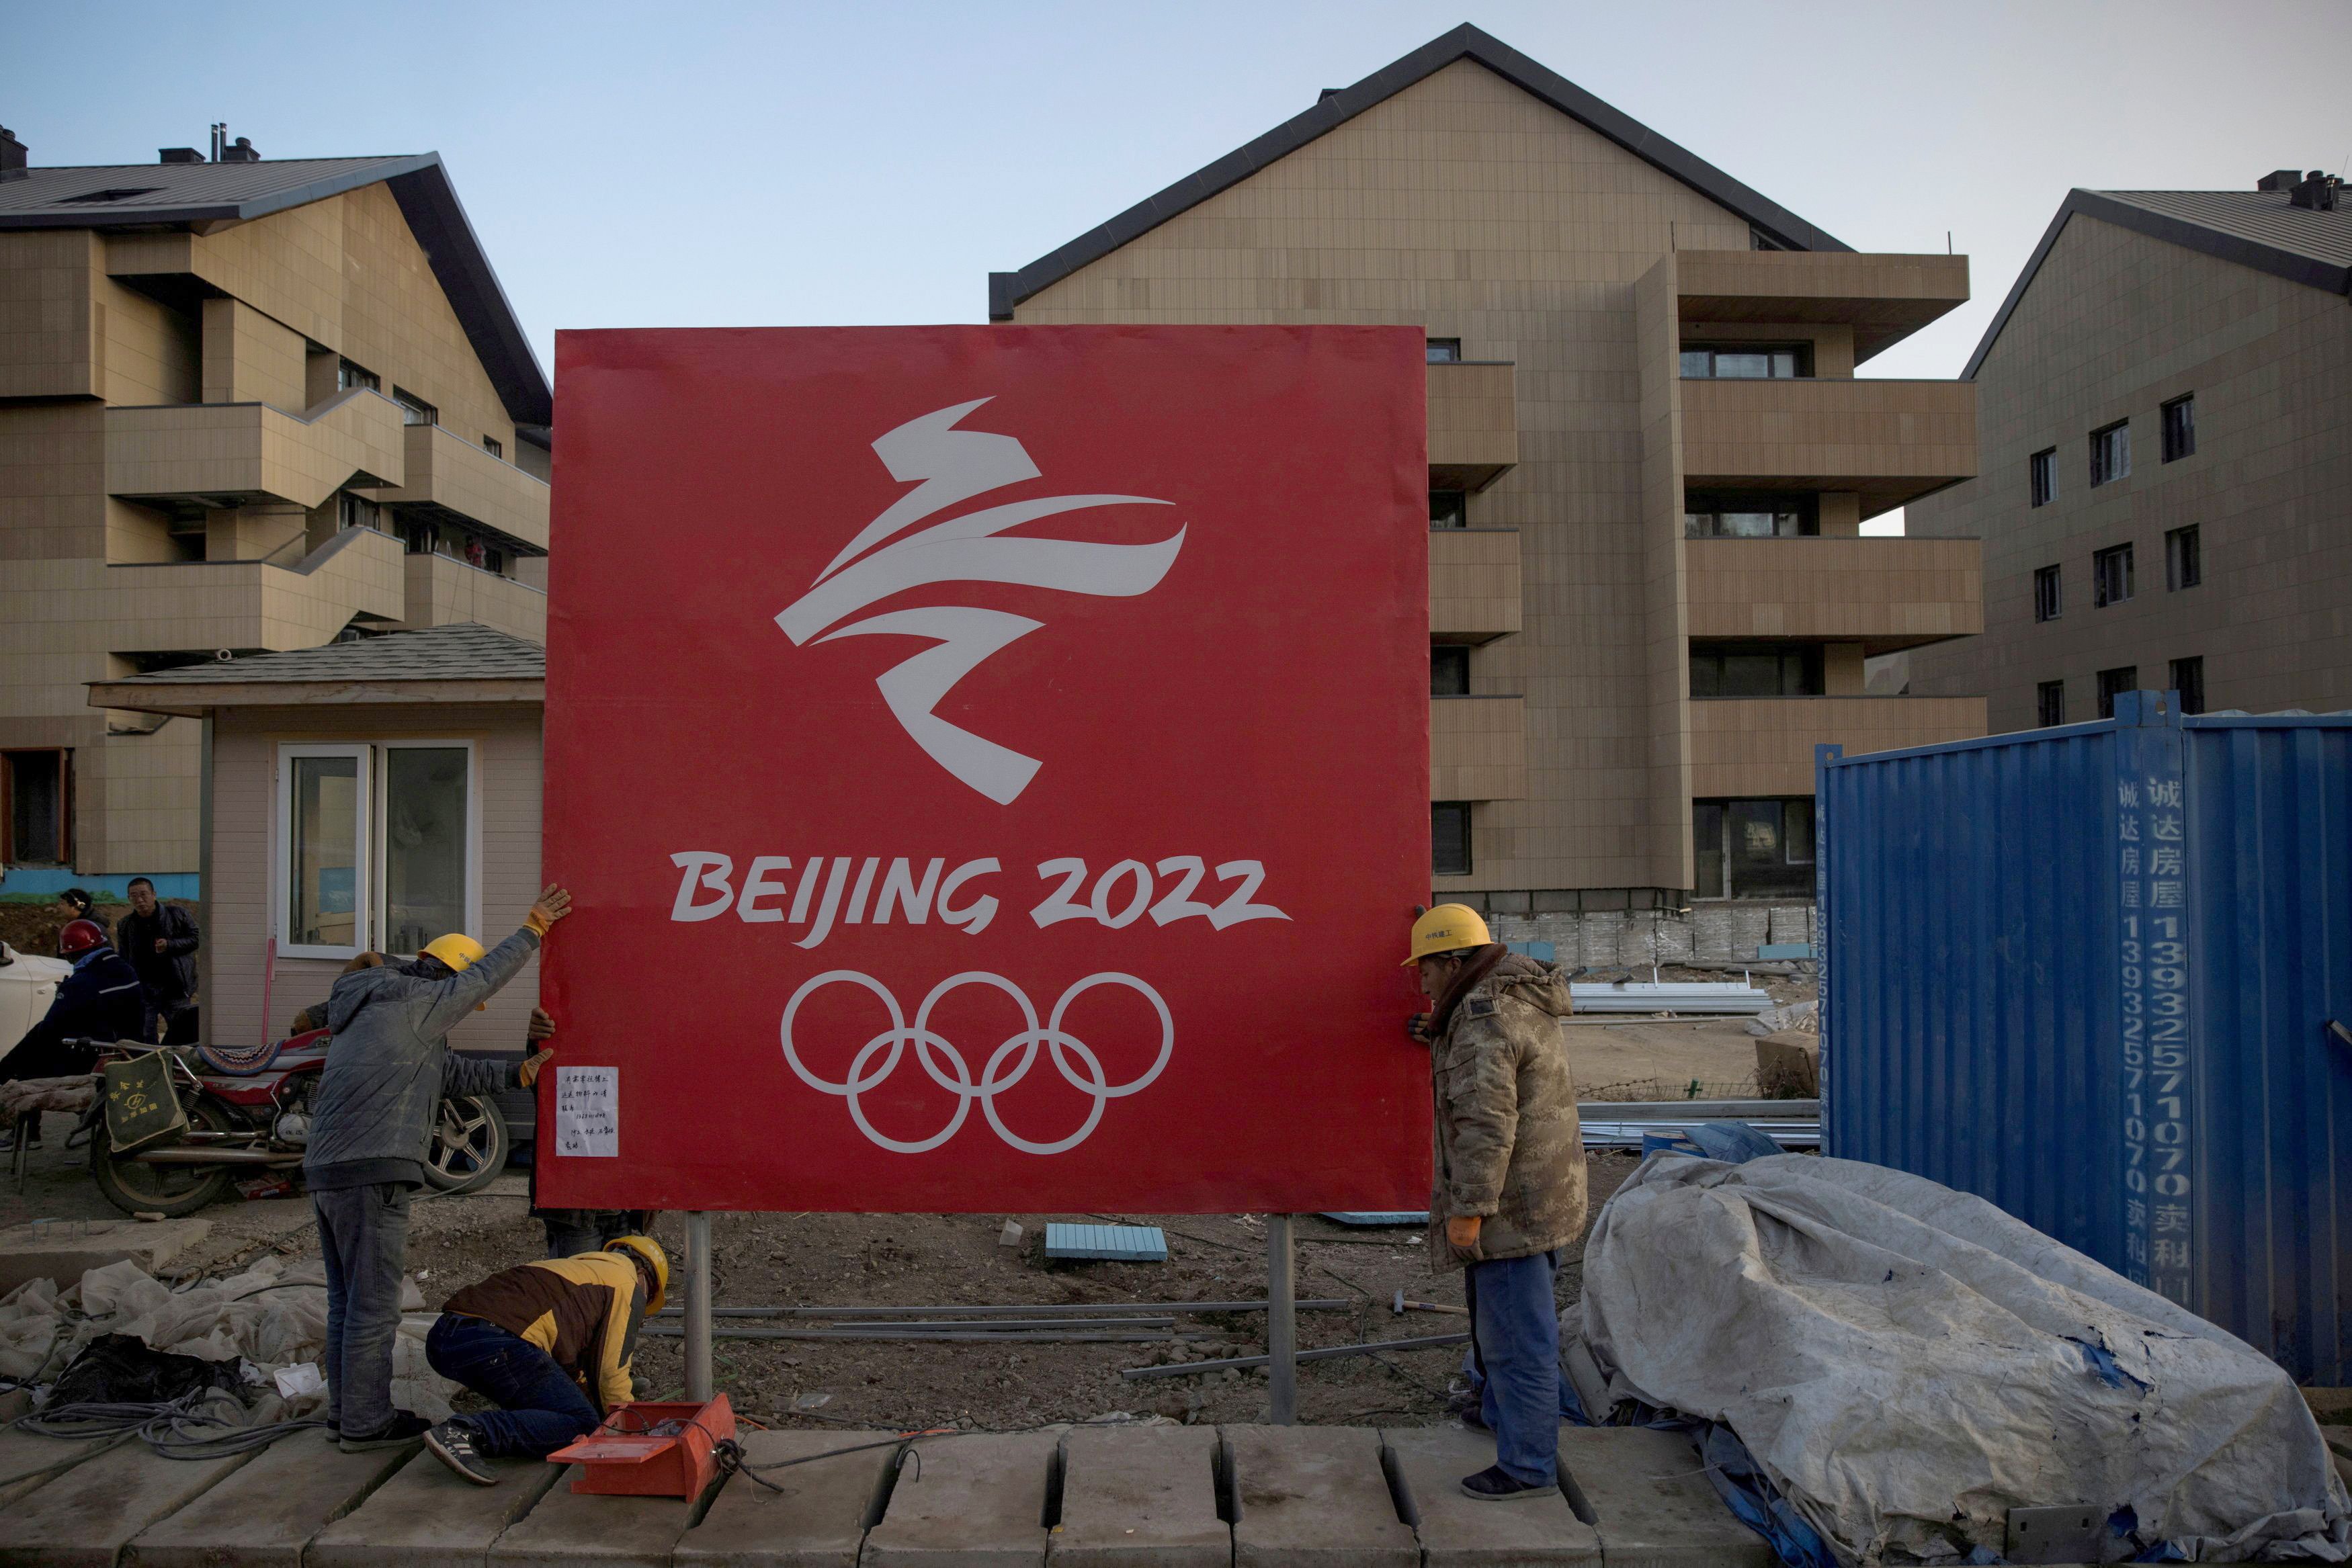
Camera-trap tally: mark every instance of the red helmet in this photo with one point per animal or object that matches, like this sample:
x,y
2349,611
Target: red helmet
x,y
79,938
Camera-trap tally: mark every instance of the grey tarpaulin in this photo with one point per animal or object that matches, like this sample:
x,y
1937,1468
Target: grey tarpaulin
x,y
1908,1363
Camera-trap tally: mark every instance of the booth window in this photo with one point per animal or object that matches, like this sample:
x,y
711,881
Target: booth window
x,y
37,808
378,846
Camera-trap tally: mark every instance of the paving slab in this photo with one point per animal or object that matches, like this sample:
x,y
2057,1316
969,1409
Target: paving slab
x,y
423,1516
972,1502
1656,1506
262,1516
1458,1532
21,1453
1312,1496
1139,1497
150,1244
85,1517
565,1526
815,1519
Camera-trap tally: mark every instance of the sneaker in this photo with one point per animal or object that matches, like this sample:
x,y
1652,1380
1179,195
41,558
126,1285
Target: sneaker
x,y
404,1429
1494,1484
8,1142
453,1445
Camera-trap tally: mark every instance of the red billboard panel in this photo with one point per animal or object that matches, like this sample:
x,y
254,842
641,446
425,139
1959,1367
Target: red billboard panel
x,y
992,766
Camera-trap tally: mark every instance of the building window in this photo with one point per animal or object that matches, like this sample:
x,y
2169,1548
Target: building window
x,y
494,446
1749,515
2111,452
414,410
1449,670
2113,683
355,511
2111,576
1755,670
1446,350
1449,838
1753,849
2180,428
2049,594
2188,681
349,375
2184,559
2041,469
378,846
2050,703
1747,361
1449,509
418,536
37,807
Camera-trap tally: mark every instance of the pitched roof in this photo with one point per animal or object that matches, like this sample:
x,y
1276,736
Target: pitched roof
x,y
199,193
2260,229
1783,227
461,653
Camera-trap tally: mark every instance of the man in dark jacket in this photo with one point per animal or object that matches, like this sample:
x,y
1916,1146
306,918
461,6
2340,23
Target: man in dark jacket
x,y
160,941
388,1068
1509,1176
100,1000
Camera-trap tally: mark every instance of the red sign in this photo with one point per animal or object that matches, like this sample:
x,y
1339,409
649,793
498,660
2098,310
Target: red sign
x,y
992,766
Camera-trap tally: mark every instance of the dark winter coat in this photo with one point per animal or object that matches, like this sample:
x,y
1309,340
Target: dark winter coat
x,y
1509,1147
389,1067
171,974
100,1000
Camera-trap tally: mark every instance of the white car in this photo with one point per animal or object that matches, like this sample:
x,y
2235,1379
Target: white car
x,y
28,986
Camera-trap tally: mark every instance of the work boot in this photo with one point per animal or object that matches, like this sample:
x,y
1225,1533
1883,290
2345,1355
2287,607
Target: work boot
x,y
452,1443
404,1429
1495,1484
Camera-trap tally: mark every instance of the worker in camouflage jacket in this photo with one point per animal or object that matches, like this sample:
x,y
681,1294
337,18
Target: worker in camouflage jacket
x,y
1508,1178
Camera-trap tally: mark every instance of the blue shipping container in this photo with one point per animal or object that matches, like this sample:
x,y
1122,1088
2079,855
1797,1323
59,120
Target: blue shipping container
x,y
2089,973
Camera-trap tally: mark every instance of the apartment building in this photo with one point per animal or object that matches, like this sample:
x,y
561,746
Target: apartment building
x,y
1649,461
246,405
2166,494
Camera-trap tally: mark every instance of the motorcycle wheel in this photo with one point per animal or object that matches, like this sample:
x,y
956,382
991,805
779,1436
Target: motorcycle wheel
x,y
170,1191
469,1146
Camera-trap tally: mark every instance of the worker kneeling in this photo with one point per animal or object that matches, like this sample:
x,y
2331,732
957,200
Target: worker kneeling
x,y
550,1345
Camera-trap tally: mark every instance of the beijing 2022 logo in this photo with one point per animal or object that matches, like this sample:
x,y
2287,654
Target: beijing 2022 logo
x,y
949,466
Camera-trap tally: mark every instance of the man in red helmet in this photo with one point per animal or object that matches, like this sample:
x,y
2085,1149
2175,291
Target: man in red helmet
x,y
100,1000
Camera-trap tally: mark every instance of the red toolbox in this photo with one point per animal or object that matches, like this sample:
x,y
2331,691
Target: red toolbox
x,y
647,1448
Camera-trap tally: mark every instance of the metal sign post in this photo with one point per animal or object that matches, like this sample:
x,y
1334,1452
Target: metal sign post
x,y
698,1305
1281,1322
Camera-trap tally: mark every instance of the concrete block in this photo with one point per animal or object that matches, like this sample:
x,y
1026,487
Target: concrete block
x,y
1142,1497
85,1517
973,1502
262,1516
1456,1531
150,1244
815,1520
21,1453
1655,1507
425,1517
1311,1496
566,1527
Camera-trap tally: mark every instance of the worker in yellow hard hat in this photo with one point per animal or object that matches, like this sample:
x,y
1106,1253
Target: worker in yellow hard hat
x,y
550,1344
1508,1179
388,1068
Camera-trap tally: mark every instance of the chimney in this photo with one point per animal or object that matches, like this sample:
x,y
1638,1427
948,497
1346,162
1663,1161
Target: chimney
x,y
178,155
2316,194
12,156
240,152
2279,180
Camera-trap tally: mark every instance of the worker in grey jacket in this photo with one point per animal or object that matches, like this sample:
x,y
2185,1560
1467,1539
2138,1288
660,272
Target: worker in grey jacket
x,y
388,1068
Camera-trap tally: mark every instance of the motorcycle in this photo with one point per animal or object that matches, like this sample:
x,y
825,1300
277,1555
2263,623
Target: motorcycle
x,y
249,1114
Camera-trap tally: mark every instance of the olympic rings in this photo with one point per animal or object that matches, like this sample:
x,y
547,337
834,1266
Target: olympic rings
x,y
932,1050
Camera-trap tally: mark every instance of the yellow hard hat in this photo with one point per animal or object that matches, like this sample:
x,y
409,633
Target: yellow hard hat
x,y
458,950
646,1247
1445,930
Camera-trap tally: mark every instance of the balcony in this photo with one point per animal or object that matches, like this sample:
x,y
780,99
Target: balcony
x,y
1473,584
1473,423
175,606
1885,593
1889,441
238,453
1884,298
1477,748
444,592
1743,747
450,475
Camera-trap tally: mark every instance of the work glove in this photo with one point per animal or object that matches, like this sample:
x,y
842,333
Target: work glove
x,y
541,1026
527,1073
1462,1232
1417,1026
553,905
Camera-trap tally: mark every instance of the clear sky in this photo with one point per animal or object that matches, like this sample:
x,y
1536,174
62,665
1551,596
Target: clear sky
x,y
711,164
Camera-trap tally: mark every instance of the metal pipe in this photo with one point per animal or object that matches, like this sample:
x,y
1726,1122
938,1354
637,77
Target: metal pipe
x,y
1282,1321
698,1305
933,1336
1179,1368
1090,1309
179,1155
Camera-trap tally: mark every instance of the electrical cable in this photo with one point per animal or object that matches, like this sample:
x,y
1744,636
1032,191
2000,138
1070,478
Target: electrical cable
x,y
181,1428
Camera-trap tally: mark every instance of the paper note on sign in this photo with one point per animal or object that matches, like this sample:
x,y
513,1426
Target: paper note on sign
x,y
588,1112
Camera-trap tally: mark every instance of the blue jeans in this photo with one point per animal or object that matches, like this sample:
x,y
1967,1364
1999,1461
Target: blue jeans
x,y
363,1233
1515,1348
541,1408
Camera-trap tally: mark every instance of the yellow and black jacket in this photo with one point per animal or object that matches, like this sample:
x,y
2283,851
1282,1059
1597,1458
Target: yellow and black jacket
x,y
583,1312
